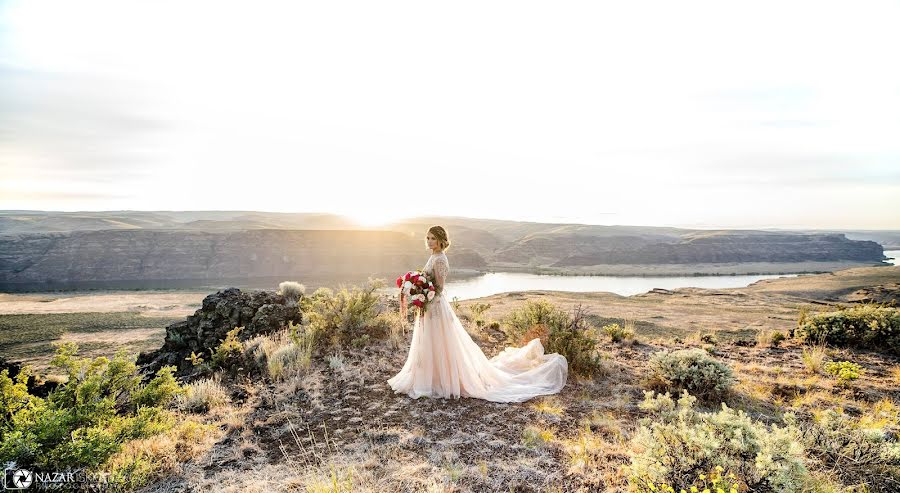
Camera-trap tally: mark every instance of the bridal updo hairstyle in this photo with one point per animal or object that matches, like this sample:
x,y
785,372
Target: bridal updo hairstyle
x,y
441,234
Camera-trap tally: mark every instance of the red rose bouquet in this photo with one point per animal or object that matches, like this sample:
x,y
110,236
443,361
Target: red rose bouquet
x,y
415,290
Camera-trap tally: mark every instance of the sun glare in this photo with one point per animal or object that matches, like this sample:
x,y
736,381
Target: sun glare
x,y
371,219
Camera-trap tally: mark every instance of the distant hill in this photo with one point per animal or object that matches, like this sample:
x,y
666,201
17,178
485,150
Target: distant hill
x,y
170,254
38,246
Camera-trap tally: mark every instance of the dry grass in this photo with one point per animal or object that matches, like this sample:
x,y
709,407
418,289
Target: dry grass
x,y
281,355
895,374
203,395
549,405
538,436
814,358
162,455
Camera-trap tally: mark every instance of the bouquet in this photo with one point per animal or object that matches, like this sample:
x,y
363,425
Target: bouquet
x,y
415,289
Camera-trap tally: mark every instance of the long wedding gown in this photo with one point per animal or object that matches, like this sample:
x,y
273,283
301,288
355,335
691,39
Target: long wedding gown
x,y
444,361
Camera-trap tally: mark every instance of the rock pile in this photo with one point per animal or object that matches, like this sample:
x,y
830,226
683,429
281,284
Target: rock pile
x,y
259,312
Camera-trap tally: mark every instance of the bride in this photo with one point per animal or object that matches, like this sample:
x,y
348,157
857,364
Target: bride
x,y
444,361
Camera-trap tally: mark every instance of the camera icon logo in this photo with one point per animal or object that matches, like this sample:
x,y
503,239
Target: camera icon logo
x,y
17,479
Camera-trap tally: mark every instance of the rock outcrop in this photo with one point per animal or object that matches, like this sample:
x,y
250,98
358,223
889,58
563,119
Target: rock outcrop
x,y
155,255
576,250
259,312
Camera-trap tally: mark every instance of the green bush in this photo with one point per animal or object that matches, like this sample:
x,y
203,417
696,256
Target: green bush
x,y
692,370
617,333
102,405
708,338
229,351
845,371
339,318
532,313
478,310
714,481
866,326
567,334
678,443
778,338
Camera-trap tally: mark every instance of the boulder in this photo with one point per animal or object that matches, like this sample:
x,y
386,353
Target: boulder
x,y
258,311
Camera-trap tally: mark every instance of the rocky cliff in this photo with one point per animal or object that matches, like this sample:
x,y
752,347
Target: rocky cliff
x,y
145,254
569,250
167,254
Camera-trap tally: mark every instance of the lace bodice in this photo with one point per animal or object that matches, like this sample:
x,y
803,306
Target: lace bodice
x,y
438,266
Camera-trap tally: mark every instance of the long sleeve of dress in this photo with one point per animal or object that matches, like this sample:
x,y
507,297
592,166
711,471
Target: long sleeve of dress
x,y
441,270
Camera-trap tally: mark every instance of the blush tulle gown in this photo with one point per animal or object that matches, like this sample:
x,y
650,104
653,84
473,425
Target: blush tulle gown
x,y
444,361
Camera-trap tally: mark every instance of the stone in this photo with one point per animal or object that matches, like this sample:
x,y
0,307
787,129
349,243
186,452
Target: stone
x,y
260,312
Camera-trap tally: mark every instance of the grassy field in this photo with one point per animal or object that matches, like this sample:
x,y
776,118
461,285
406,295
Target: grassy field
x,y
30,337
337,425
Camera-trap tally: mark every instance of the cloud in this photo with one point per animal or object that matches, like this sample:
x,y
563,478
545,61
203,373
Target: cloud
x,y
73,126
537,110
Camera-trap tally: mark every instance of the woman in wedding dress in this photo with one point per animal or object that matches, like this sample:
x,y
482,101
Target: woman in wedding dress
x,y
444,361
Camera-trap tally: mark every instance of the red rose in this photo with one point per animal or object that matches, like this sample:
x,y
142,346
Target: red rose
x,y
400,281
417,303
408,274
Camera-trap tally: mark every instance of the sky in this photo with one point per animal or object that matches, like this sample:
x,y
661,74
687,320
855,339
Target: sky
x,y
711,114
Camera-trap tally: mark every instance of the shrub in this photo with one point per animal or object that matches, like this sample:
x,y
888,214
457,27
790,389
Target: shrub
x,y
195,359
577,340
159,391
292,291
144,460
335,361
845,371
678,444
569,335
867,326
539,331
102,405
478,310
716,480
230,349
778,338
534,312
337,318
618,333
708,339
859,455
692,370
361,341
